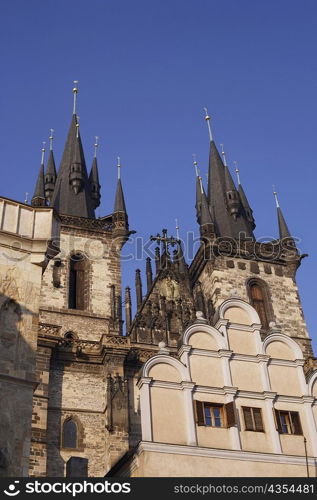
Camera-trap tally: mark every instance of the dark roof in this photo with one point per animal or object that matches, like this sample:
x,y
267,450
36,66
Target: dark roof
x,y
283,228
219,183
39,187
119,204
64,199
51,168
198,199
94,175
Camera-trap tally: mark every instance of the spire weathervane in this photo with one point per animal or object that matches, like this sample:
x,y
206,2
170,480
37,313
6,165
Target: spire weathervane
x,y
96,145
51,139
237,171
177,228
75,92
43,152
119,167
195,165
207,118
275,196
223,155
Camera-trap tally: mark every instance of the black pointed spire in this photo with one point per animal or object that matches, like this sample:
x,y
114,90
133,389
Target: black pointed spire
x,y
72,193
206,222
284,232
149,274
50,174
94,183
119,204
224,202
38,199
244,200
138,288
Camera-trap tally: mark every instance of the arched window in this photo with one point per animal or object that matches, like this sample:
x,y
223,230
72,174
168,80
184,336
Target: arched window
x,y
259,300
70,434
78,285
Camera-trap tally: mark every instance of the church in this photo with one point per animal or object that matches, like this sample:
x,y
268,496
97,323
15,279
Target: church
x,y
212,376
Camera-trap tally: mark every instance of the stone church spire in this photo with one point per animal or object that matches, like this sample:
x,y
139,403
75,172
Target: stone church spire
x,y
50,174
284,232
94,178
72,194
225,205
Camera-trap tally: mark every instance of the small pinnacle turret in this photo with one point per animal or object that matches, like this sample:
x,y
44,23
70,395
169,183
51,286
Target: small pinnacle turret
x,y
284,232
120,216
50,174
38,199
94,178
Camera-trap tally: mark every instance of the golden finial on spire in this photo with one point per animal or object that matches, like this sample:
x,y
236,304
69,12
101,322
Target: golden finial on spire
x,y
119,166
43,152
26,198
51,138
96,145
195,165
237,171
223,155
177,228
207,118
75,92
275,196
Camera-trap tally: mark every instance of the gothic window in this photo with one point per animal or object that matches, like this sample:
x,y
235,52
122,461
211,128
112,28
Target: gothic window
x,y
70,434
78,282
259,300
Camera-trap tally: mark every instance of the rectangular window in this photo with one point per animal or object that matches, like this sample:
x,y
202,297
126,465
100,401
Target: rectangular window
x,y
253,419
288,422
215,415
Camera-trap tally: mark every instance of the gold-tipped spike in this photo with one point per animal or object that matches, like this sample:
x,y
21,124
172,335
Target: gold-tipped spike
x,y
51,138
275,196
75,92
223,155
237,171
207,118
177,228
195,165
43,152
119,167
26,198
96,145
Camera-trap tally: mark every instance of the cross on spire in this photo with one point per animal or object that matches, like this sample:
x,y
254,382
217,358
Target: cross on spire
x,y
164,239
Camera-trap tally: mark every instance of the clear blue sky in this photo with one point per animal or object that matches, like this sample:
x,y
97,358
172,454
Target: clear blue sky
x,y
146,69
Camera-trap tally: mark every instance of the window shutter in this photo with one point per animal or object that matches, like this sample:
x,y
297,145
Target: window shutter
x,y
247,415
230,413
278,424
297,428
200,413
257,415
80,289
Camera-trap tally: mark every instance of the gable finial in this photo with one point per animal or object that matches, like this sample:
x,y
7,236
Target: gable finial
x,y
223,156
237,171
119,167
195,164
96,145
43,152
177,228
51,137
275,196
207,118
75,92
